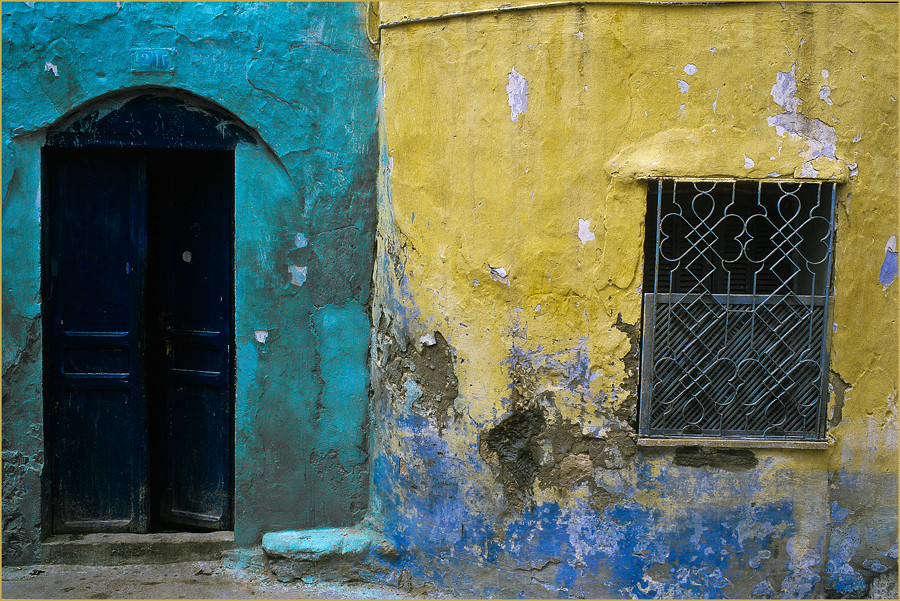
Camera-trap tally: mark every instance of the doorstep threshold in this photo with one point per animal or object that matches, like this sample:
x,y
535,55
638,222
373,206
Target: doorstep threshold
x,y
130,548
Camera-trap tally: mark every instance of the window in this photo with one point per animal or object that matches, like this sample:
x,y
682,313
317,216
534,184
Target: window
x,y
736,290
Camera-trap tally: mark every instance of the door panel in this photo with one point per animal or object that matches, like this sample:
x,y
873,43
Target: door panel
x,y
138,312
96,411
191,192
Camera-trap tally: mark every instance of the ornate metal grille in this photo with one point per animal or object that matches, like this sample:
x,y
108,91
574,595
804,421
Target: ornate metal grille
x,y
736,291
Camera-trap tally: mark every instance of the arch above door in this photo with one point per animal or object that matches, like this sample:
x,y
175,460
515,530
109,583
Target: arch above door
x,y
150,118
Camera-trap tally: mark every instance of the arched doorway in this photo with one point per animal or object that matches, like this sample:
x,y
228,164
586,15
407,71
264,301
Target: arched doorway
x,y
138,315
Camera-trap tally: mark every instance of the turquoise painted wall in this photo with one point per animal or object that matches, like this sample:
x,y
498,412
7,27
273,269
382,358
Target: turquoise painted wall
x,y
303,77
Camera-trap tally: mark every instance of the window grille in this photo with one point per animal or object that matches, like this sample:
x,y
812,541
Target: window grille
x,y
736,290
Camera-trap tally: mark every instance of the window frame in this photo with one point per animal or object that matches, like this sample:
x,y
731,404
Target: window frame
x,y
825,195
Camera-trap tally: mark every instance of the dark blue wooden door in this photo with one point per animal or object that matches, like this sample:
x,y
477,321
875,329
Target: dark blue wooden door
x,y
191,237
94,356
138,322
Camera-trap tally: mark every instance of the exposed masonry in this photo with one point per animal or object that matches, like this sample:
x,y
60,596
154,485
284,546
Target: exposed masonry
x,y
513,448
838,388
729,459
423,380
632,361
533,445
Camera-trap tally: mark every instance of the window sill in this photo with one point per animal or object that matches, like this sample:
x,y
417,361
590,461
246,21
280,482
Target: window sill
x,y
736,443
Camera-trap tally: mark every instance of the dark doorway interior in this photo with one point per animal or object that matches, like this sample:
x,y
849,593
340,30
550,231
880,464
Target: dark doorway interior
x,y
138,324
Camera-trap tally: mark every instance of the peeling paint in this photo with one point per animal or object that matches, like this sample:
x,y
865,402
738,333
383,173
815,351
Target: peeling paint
x,y
803,561
842,577
498,274
298,274
517,92
261,335
808,171
889,266
820,138
584,232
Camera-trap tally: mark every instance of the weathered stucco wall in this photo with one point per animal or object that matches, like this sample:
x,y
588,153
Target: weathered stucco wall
x,y
507,295
303,77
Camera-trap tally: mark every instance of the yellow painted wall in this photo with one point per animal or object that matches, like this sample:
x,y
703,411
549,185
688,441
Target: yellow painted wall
x,y
618,93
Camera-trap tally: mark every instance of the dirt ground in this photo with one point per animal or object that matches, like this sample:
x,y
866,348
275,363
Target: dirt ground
x,y
186,580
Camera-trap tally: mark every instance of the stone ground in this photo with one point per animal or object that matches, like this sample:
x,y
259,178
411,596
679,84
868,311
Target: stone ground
x,y
184,580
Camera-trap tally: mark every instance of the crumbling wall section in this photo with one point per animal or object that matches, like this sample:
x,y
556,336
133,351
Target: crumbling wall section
x,y
524,250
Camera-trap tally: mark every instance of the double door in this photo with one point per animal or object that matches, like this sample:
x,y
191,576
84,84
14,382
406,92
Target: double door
x,y
138,309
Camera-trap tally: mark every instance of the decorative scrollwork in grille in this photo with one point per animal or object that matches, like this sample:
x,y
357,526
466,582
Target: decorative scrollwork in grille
x,y
736,293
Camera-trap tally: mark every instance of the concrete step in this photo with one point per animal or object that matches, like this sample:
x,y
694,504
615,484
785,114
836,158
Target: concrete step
x,y
328,554
122,549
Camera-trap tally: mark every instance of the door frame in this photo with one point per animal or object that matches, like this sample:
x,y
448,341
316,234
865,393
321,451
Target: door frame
x,y
145,121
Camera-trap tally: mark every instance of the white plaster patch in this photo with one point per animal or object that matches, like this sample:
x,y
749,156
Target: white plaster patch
x,y
48,66
298,274
186,256
427,340
498,274
803,561
825,73
834,327
748,162
857,138
261,335
579,35
825,94
690,68
854,169
517,92
476,283
882,435
683,86
891,246
537,308
785,88
820,138
300,240
807,171
584,232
